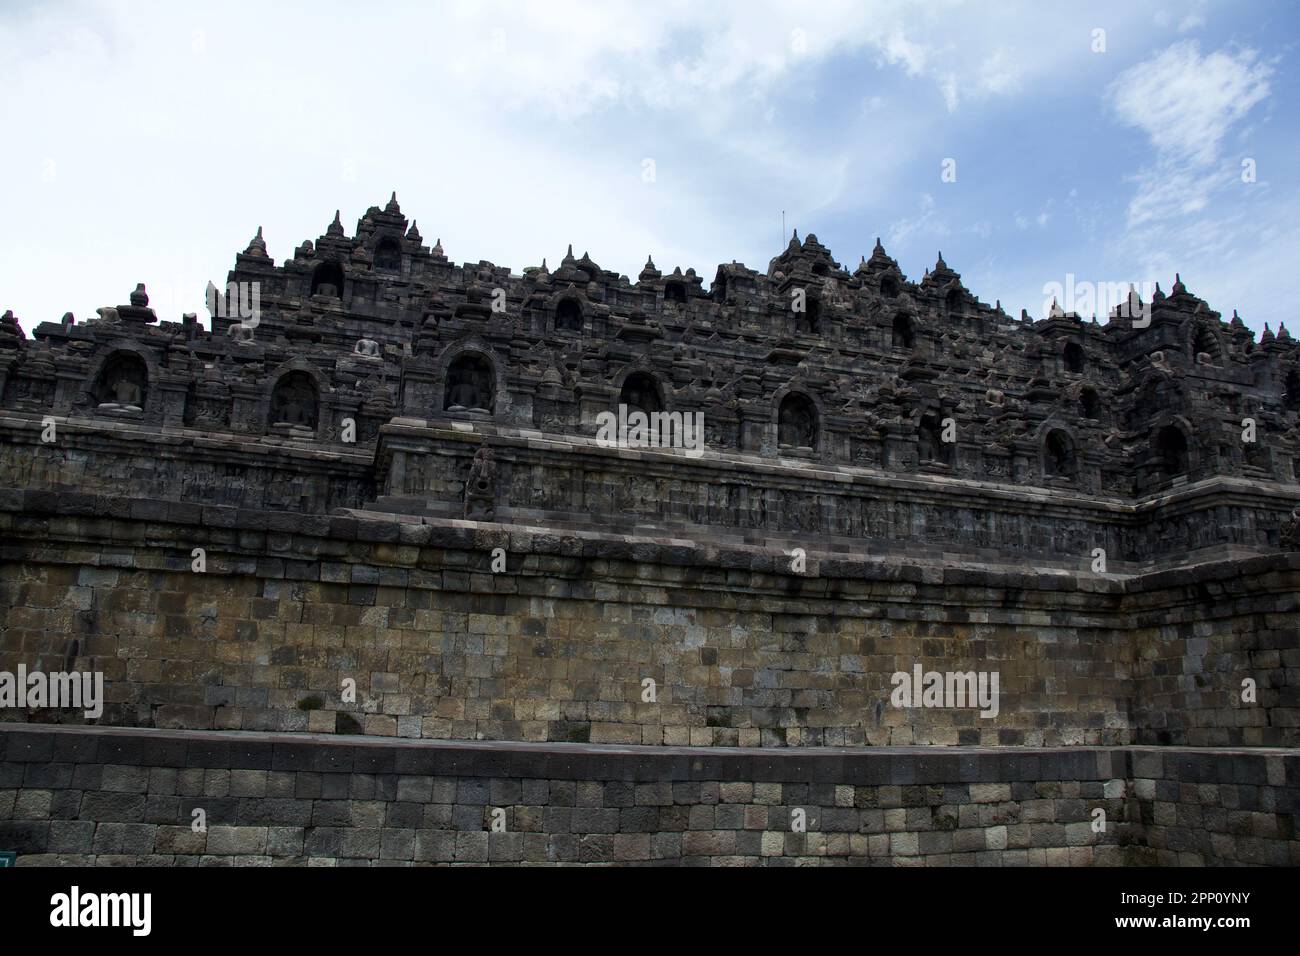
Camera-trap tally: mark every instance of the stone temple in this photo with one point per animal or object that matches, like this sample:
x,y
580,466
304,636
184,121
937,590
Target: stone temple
x,y
365,584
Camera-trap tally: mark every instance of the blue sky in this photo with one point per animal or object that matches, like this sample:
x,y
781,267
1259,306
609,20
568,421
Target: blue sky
x,y
148,141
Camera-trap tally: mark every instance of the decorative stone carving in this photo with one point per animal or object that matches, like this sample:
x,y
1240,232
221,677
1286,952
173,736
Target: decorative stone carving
x,y
210,404
11,333
481,486
1289,533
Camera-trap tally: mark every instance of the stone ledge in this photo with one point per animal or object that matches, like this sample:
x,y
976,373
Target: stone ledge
x,y
42,507
901,766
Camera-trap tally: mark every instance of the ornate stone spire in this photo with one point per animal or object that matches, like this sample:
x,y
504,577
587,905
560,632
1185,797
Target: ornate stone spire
x,y
336,227
880,260
437,250
571,270
258,246
392,206
140,298
11,333
413,233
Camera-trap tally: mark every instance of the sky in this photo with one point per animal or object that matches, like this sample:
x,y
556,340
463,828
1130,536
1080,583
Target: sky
x,y
1110,142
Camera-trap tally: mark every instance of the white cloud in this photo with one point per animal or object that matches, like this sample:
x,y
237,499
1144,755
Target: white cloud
x,y
951,97
1186,102
926,222
899,50
1191,212
1000,74
1193,19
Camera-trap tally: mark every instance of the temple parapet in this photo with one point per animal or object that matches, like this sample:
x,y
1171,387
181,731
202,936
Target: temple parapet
x,y
842,379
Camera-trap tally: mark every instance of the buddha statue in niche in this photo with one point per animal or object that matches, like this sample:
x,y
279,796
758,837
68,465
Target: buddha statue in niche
x,y
294,401
469,386
796,427
122,384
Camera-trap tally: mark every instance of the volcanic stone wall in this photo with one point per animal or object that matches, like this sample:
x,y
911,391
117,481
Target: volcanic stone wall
x,y
421,467
1200,634
85,795
185,465
563,643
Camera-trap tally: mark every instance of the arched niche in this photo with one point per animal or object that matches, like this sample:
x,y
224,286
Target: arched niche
x,y
1059,458
796,424
719,290
640,392
809,321
1292,397
954,304
931,447
1072,356
327,279
675,293
295,401
388,255
1090,404
568,314
1172,451
470,384
123,382
903,334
